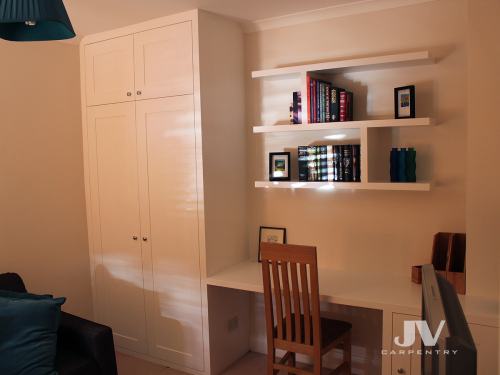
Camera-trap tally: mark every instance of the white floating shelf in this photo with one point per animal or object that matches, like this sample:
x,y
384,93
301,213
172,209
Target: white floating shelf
x,y
389,123
365,63
409,186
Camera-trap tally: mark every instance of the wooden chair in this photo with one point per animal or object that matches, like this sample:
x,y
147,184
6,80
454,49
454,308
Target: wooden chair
x,y
293,321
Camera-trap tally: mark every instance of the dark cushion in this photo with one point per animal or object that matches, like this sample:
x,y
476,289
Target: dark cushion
x,y
12,282
73,362
28,331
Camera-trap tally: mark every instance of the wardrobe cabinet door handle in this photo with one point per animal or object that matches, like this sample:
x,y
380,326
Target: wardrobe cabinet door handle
x,y
135,238
401,371
139,92
144,238
129,93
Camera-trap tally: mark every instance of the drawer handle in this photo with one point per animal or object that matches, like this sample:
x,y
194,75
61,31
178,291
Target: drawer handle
x,y
401,371
135,238
129,93
144,238
139,92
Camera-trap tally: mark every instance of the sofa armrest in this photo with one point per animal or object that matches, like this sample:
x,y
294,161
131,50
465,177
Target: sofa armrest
x,y
89,338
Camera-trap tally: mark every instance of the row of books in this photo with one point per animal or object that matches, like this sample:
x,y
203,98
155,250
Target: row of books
x,y
328,103
403,165
335,163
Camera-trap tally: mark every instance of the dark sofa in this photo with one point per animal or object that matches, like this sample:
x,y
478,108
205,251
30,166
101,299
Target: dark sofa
x,y
83,347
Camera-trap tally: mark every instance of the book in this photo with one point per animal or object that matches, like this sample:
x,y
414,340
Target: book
x,y
349,106
297,108
335,103
343,104
303,163
324,162
312,170
328,89
340,161
348,163
308,80
336,161
356,163
318,162
329,163
318,105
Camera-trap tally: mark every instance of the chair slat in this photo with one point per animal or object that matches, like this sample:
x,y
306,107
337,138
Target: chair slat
x,y
304,283
278,301
296,302
315,309
288,305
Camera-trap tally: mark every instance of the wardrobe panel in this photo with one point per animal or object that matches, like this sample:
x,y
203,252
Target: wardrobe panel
x,y
164,61
115,205
166,135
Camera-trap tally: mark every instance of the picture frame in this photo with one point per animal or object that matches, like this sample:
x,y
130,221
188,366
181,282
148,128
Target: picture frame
x,y
271,234
404,102
279,166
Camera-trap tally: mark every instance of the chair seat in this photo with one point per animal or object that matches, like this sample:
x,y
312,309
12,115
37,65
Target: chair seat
x,y
331,330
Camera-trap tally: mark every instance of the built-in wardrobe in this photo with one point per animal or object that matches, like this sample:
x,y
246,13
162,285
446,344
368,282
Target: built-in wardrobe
x,y
164,155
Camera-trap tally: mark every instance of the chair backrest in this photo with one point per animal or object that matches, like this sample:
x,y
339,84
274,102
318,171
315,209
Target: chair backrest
x,y
291,293
12,282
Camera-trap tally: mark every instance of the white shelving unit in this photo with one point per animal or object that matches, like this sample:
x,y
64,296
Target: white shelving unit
x,y
374,135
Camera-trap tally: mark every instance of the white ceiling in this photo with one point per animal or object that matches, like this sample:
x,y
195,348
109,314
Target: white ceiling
x,y
91,16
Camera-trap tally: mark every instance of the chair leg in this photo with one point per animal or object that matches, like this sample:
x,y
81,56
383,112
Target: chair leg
x,y
317,363
347,353
271,357
292,362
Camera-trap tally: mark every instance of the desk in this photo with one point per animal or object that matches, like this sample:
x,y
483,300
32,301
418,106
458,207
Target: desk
x,y
385,292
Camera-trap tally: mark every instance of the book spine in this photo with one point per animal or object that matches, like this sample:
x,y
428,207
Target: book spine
x,y
402,165
295,117
328,90
343,103
303,163
350,106
318,104
324,163
394,160
299,107
318,163
336,160
321,86
308,80
348,163
329,163
341,164
314,100
312,170
356,163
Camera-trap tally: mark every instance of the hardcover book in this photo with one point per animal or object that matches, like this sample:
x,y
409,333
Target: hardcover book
x,y
343,106
303,163
356,163
348,163
311,165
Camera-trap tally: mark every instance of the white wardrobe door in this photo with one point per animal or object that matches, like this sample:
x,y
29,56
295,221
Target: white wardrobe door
x,y
167,160
109,71
115,206
164,61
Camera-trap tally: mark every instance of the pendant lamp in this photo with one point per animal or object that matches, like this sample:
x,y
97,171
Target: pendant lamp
x,y
34,20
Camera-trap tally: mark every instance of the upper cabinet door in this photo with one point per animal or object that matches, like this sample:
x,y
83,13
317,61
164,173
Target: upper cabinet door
x,y
109,71
164,61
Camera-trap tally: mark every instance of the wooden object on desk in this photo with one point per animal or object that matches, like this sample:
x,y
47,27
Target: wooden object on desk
x,y
448,258
299,326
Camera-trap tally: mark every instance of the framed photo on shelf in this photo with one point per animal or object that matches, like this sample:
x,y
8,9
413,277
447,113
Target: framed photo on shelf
x,y
404,102
279,166
272,235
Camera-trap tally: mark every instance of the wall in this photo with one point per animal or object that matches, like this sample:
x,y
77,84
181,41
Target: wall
x,y
42,220
366,231
483,204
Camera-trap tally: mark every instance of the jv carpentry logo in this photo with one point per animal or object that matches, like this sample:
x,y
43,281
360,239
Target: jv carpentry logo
x,y
429,340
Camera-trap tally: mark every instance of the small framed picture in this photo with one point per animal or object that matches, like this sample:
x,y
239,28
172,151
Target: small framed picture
x,y
279,166
272,235
404,102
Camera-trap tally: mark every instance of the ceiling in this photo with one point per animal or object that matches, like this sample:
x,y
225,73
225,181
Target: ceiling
x,y
91,16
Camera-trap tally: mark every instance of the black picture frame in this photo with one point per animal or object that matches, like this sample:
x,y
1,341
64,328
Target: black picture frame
x,y
411,104
262,228
273,175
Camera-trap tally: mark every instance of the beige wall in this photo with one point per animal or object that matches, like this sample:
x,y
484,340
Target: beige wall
x,y
483,175
364,230
42,217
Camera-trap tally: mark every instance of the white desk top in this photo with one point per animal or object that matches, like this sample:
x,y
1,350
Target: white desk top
x,y
378,291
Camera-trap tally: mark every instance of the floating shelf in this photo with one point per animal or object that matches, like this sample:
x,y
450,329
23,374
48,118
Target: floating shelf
x,y
409,186
389,123
365,63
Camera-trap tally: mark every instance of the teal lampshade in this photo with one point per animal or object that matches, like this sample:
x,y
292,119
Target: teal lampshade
x,y
34,20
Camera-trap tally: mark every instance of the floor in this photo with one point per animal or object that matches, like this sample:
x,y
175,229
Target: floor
x,y
251,364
